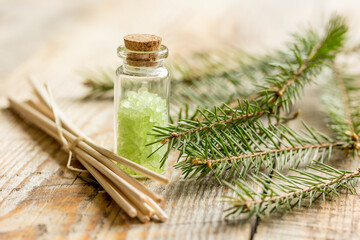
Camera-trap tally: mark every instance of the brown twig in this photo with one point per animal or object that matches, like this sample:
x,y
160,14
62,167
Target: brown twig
x,y
199,161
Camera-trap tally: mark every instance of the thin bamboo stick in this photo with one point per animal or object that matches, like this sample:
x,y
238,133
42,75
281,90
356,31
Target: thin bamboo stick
x,y
46,123
158,211
124,204
50,127
43,96
142,209
157,198
128,208
143,218
134,195
121,173
130,164
139,215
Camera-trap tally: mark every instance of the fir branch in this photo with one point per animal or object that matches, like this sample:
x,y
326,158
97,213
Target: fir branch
x,y
280,90
246,150
342,106
311,52
283,193
190,131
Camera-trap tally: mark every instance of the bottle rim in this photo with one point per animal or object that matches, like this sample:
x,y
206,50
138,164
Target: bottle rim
x,y
153,56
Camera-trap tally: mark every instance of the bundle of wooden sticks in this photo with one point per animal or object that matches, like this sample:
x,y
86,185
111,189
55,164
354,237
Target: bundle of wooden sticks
x,y
132,196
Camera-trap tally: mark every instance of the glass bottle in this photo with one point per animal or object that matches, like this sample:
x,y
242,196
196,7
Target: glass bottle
x,y
141,100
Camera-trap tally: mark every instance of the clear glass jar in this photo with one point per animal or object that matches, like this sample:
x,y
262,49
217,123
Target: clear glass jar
x,y
141,101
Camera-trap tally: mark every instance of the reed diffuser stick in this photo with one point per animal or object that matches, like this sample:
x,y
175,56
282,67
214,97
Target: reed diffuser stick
x,y
44,98
133,197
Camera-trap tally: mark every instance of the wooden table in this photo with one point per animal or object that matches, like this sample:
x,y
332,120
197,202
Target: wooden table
x,y
55,40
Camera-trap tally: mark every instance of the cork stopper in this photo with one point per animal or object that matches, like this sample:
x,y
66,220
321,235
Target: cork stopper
x,y
142,42
143,50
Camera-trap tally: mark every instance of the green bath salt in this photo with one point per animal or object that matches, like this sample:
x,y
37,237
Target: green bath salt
x,y
137,115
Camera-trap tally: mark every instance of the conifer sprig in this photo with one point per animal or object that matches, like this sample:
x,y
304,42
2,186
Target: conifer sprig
x,y
311,53
190,131
255,147
342,105
283,193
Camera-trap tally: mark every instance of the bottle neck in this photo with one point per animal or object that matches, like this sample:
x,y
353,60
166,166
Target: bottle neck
x,y
143,63
142,70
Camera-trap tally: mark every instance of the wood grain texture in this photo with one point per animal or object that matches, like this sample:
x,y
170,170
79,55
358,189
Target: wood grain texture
x,y
54,40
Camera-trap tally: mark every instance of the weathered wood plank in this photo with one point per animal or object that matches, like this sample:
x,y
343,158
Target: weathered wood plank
x,y
40,198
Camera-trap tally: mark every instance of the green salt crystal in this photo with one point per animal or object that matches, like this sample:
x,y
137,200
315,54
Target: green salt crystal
x,y
138,113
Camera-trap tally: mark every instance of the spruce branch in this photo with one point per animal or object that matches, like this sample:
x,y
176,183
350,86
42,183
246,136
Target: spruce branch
x,y
248,150
311,52
190,131
283,193
342,103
